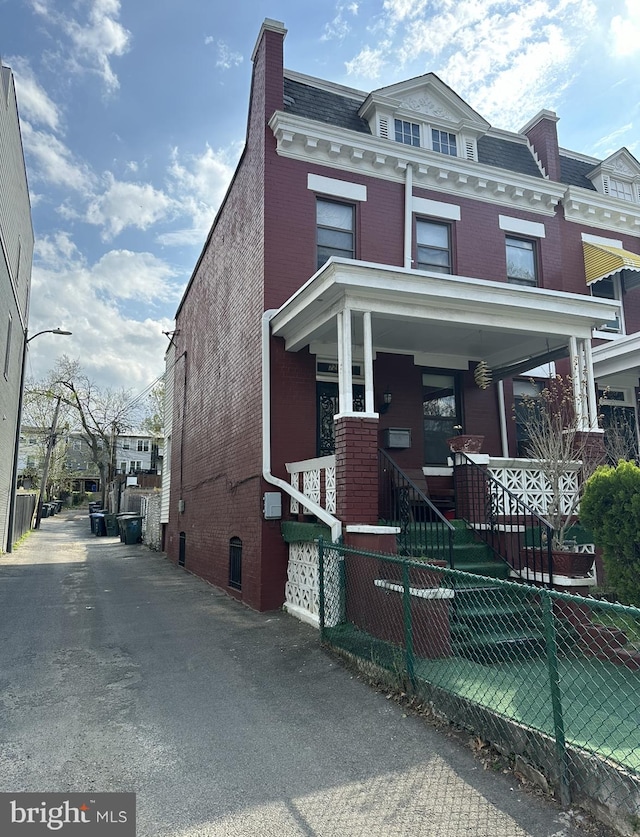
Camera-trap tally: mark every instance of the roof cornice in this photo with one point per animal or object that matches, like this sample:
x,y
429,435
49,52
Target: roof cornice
x,y
584,206
359,153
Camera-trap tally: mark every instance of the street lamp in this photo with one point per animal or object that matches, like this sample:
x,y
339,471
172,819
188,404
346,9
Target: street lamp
x,y
16,446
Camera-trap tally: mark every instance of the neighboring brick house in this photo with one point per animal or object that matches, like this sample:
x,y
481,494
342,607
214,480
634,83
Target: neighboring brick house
x,y
16,254
373,248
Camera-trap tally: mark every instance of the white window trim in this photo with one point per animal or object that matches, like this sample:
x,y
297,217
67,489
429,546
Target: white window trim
x,y
436,209
530,229
336,188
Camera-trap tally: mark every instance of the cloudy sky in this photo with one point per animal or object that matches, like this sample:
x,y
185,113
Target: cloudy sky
x,y
133,117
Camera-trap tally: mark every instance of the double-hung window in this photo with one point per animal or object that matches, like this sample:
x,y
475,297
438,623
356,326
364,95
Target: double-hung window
x,y
443,142
335,230
407,132
433,246
521,261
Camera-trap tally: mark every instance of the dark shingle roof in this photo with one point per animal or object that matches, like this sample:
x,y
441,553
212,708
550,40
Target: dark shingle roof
x,y
504,154
323,106
574,172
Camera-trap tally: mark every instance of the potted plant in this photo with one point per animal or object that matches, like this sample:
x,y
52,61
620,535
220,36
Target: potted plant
x,y
566,456
464,442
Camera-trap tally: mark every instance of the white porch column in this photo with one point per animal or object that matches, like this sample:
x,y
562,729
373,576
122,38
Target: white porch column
x,y
591,386
576,380
368,362
345,364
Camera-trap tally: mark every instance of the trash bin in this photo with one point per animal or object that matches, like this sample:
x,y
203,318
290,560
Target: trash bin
x,y
132,529
100,527
111,525
93,518
120,519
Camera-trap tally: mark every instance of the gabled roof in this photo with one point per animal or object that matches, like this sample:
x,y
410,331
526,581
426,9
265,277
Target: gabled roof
x,y
428,95
621,162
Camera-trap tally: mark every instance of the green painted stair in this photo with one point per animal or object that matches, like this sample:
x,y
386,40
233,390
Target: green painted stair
x,y
491,624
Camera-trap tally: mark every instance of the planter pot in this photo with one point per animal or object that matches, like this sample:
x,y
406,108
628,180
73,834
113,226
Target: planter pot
x,y
467,443
564,563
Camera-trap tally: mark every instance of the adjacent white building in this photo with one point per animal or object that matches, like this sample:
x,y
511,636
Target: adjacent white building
x,y
16,253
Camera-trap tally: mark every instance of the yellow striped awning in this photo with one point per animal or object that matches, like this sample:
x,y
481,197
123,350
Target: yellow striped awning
x,y
602,260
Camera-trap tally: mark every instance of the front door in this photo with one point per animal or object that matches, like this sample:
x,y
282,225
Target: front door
x,y
326,408
441,411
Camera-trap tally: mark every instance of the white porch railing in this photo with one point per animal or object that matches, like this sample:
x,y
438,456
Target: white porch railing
x,y
316,479
525,479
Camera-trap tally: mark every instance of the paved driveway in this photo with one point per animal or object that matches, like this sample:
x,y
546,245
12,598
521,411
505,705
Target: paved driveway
x,y
120,672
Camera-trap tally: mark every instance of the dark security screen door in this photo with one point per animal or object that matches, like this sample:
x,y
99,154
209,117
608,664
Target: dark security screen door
x,y
441,413
327,407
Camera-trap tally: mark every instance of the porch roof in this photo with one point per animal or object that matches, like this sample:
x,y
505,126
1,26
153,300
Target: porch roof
x,y
618,361
442,320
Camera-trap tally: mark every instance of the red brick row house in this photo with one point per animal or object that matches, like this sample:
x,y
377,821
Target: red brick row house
x,y
376,253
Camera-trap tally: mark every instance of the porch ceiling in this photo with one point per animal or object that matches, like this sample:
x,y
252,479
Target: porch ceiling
x,y
617,362
445,320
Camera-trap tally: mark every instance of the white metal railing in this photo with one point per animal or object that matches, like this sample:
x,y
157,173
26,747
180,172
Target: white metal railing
x,y
316,479
525,479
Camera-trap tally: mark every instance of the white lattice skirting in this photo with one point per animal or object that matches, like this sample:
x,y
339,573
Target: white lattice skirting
x,y
302,596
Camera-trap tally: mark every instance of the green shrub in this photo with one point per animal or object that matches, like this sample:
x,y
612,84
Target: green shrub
x,y
610,508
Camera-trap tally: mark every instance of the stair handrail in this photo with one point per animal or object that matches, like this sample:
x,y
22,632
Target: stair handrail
x,y
488,501
396,494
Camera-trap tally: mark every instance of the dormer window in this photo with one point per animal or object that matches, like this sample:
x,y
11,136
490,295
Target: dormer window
x,y
619,189
407,132
444,142
618,177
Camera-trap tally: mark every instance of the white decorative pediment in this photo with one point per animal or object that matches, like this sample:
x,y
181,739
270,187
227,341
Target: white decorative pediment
x,y
619,164
425,96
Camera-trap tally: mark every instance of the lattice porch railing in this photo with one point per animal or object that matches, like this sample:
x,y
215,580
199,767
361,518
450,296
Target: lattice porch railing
x,y
316,479
525,479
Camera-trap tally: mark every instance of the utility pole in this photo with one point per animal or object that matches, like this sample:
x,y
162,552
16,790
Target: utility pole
x,y
51,441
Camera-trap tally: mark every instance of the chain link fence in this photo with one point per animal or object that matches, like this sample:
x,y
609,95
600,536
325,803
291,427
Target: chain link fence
x,y
553,679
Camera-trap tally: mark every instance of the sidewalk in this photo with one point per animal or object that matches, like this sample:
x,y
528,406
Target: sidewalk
x,y
121,672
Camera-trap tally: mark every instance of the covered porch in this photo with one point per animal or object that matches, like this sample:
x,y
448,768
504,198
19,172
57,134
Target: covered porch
x,y
464,337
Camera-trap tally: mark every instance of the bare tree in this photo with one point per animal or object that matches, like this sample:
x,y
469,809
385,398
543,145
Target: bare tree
x,y
556,440
97,414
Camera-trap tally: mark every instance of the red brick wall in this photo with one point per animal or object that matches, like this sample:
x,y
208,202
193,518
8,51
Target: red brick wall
x,y
357,470
217,430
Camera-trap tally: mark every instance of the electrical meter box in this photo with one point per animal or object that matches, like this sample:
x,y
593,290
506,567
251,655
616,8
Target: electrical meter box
x,y
272,505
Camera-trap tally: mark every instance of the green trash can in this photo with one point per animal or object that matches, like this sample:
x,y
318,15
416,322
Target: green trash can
x,y
132,529
111,525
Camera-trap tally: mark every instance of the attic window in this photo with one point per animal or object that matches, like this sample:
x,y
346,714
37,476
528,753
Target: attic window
x,y
444,142
624,190
407,132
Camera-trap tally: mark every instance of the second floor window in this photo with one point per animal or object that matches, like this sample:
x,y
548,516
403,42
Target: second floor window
x,y
433,246
143,444
521,262
335,230
608,288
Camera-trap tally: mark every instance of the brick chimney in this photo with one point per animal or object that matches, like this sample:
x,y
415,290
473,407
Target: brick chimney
x,y
543,136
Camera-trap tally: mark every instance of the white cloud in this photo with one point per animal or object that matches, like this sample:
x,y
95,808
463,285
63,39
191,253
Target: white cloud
x,y
625,31
95,40
34,104
124,204
129,275
226,58
339,27
506,59
96,303
54,163
198,184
